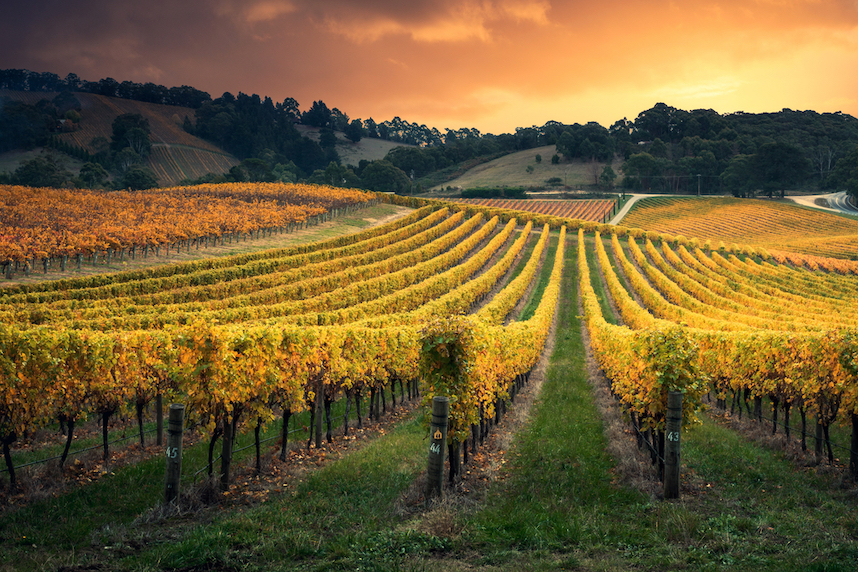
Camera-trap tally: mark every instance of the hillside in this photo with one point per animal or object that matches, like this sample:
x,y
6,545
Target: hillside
x,y
774,225
176,154
511,170
368,148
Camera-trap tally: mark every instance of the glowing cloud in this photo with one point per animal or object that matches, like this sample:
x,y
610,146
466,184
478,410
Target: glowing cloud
x,y
266,11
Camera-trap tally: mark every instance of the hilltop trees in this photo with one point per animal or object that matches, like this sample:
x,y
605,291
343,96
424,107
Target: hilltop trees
x,y
779,166
248,126
666,149
386,177
845,174
590,141
24,126
354,132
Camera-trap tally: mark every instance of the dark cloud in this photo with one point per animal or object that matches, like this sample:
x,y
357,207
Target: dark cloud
x,y
494,64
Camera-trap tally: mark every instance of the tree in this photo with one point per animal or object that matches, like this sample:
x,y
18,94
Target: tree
x,y
412,160
24,126
43,171
335,175
371,128
339,120
288,173
656,123
125,159
354,132
845,175
327,138
642,168
92,176
737,177
384,176
607,178
658,149
122,125
317,116
138,140
779,166
567,145
252,170
138,179
66,101
290,109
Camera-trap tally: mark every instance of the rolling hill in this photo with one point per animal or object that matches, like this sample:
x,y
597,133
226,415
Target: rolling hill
x,y
176,154
512,170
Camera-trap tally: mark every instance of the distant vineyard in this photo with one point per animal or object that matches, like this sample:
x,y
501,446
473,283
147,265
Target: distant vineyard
x,y
49,226
589,210
775,226
172,164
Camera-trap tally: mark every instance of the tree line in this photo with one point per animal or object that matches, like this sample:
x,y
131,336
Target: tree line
x,y
743,154
664,149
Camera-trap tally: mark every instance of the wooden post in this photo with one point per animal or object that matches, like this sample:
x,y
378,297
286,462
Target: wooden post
x,y
673,431
175,430
437,446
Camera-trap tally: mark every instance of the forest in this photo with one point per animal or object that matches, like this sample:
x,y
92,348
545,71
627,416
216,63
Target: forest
x,y
663,149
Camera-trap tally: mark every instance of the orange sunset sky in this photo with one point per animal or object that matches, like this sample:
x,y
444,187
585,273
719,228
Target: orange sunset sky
x,y
494,65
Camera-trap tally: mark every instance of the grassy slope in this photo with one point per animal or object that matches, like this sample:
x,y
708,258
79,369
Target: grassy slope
x,y
350,153
511,170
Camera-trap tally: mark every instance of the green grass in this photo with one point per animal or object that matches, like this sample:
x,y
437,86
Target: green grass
x,y
56,527
342,515
511,171
542,277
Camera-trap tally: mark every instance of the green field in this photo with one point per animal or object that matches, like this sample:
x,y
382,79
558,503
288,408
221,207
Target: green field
x,y
511,171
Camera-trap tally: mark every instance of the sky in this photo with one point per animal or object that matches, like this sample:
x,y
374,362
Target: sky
x,y
494,65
